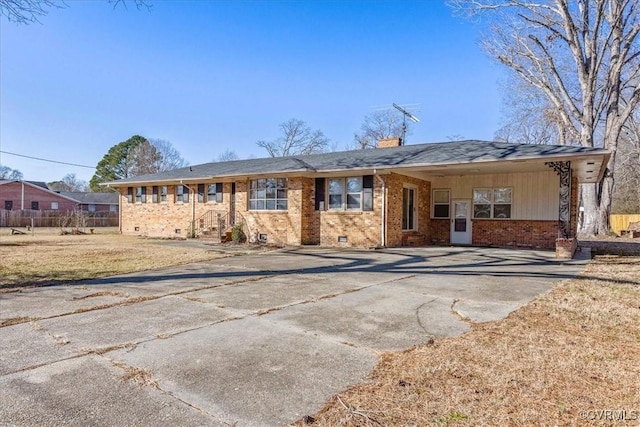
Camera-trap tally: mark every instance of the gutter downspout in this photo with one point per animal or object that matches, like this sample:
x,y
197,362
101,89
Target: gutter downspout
x,y
22,197
383,224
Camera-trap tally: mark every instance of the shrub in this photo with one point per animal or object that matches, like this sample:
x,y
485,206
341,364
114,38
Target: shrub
x,y
237,235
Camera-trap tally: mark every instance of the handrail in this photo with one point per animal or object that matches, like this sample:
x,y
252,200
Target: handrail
x,y
211,220
220,222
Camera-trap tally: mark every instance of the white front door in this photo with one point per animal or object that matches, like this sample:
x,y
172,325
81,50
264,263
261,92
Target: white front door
x,y
461,223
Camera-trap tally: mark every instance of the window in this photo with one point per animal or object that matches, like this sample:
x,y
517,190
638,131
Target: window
x,y
492,202
91,208
268,194
35,206
113,208
336,193
182,194
129,194
408,208
54,206
163,193
8,204
214,193
154,194
441,203
354,193
141,195
351,193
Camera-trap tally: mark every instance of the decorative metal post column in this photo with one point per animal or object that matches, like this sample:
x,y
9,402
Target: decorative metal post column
x,y
563,169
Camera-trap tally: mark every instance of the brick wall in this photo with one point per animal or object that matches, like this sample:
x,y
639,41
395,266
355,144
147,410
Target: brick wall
x,y
310,226
361,229
440,231
395,183
164,218
302,224
281,227
525,233
13,191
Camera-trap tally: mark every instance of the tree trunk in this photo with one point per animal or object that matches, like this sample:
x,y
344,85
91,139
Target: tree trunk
x,y
603,225
591,205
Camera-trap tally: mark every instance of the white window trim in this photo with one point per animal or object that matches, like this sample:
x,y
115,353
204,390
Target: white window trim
x,y
433,203
276,199
492,204
345,194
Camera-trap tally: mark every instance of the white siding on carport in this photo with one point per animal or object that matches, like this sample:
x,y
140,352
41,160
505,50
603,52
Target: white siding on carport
x,y
535,194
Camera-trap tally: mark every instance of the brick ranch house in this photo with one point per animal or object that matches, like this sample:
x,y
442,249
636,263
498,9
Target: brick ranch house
x,y
459,193
25,203
33,195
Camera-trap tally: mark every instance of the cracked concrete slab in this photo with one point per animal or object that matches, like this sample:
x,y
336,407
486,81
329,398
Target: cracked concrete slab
x,y
252,372
375,317
27,344
133,323
261,339
89,391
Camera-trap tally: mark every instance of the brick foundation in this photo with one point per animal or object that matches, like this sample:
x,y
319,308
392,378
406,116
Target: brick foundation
x,y
523,233
440,231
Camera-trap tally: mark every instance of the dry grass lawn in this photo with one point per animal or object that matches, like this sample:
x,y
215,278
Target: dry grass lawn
x,y
49,257
570,357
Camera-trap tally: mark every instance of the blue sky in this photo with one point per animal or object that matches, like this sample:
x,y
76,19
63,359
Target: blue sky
x,y
215,75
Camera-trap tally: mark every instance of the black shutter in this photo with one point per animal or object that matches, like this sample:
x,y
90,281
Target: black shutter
x,y
320,189
130,194
367,193
219,192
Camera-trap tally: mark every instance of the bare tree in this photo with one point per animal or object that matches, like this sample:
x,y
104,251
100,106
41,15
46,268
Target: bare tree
x,y
145,159
297,139
29,11
227,155
7,173
583,56
626,194
69,182
133,157
169,157
379,125
529,118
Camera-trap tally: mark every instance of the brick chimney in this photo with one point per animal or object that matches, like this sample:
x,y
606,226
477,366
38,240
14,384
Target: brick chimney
x,y
389,142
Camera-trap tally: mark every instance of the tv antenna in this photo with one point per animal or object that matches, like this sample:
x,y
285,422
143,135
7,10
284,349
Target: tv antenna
x,y
405,115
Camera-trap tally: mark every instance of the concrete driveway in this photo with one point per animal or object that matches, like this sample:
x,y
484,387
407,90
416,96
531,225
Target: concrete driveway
x,y
256,340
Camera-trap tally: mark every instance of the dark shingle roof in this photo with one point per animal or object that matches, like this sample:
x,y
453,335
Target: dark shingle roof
x,y
36,183
444,153
92,198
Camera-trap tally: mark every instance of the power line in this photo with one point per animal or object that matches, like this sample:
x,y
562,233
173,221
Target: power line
x,y
47,160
